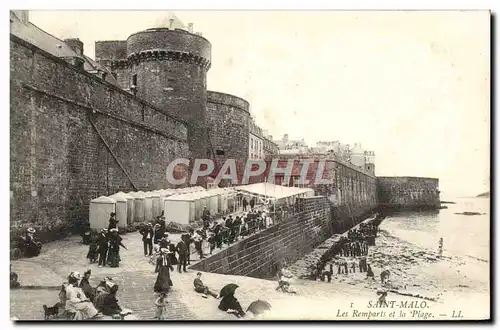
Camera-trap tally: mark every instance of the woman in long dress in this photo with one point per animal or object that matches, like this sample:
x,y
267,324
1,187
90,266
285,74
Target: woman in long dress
x,y
77,302
163,281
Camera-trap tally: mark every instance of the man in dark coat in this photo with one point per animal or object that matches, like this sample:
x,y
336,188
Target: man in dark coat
x,y
102,242
112,222
229,226
235,228
183,251
202,288
188,239
159,233
245,204
206,217
147,239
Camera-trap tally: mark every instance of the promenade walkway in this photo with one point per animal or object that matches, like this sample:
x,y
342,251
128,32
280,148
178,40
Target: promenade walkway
x,y
136,278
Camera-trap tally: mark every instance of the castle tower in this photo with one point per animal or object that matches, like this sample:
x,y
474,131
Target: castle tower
x,y
168,68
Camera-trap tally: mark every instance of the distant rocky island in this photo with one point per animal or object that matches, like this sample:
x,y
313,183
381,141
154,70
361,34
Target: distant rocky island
x,y
485,195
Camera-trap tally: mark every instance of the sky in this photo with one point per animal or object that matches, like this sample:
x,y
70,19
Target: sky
x,y
412,86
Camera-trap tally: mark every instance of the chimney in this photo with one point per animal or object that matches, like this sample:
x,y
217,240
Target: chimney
x,y
76,45
171,20
190,27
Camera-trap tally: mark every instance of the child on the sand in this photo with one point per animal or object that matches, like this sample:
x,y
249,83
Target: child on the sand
x,y
161,304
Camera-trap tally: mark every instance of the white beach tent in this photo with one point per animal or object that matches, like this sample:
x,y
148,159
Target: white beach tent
x,y
138,205
155,204
121,210
206,199
188,190
99,212
130,206
199,202
181,208
213,201
164,193
148,206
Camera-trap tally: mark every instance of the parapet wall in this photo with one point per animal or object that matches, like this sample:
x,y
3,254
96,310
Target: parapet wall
x,y
110,50
227,124
169,40
228,100
261,254
408,192
75,137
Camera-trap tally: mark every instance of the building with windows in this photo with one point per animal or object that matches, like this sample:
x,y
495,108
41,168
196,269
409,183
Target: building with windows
x,y
355,155
295,145
255,141
270,147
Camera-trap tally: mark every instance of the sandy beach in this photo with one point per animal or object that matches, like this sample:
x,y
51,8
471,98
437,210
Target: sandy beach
x,y
448,283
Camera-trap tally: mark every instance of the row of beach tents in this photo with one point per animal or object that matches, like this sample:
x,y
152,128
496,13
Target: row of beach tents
x,y
183,205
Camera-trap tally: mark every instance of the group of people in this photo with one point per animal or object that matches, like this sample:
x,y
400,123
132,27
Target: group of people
x,y
229,303
80,301
230,230
365,230
354,244
29,245
104,248
353,247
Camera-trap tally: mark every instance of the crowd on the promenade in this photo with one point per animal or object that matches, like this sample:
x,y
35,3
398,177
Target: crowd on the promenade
x,y
78,300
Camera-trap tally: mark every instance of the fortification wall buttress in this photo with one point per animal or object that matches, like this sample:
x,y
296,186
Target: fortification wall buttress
x,y
408,193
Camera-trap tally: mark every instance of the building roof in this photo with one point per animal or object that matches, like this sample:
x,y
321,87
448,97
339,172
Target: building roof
x,y
31,33
38,37
165,22
92,66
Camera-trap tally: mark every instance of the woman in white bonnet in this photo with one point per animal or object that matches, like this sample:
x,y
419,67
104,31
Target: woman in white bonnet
x,y
76,301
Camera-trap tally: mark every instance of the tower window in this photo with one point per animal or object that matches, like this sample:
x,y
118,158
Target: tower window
x,y
171,84
134,80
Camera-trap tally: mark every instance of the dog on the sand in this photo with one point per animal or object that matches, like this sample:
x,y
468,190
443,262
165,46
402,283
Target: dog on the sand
x,y
51,312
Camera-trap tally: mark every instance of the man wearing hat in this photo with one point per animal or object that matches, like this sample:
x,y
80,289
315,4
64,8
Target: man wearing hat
x,y
205,217
158,233
102,242
112,221
147,239
183,252
188,239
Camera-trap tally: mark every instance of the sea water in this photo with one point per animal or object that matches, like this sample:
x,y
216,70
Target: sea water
x,y
463,235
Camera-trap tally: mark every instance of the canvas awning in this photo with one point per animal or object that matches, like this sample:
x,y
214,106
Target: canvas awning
x,y
272,191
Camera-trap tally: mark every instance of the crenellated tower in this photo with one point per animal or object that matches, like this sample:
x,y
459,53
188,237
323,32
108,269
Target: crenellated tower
x,y
166,67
